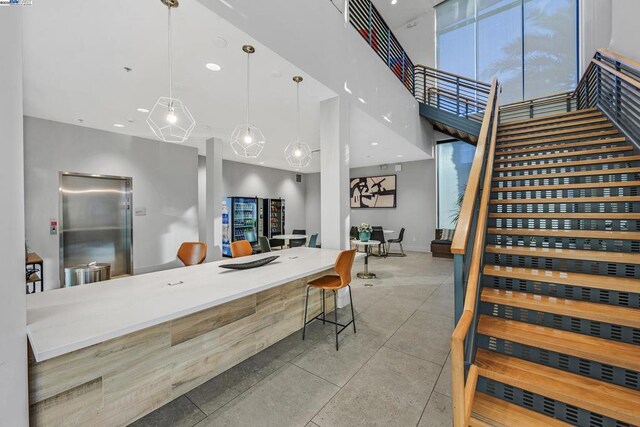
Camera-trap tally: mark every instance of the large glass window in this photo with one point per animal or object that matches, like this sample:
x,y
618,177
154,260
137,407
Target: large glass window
x,y
531,45
454,161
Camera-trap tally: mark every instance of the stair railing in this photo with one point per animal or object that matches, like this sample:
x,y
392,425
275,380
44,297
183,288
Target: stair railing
x,y
468,249
610,83
450,92
366,19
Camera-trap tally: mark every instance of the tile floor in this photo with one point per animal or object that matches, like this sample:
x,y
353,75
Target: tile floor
x,y
394,372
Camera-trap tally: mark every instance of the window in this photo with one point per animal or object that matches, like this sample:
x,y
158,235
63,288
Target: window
x,y
531,45
454,159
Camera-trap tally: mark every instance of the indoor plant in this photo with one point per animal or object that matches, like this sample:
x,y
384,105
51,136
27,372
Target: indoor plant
x,y
364,230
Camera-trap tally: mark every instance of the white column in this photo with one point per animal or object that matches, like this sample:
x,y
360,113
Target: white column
x,y
214,197
334,177
13,312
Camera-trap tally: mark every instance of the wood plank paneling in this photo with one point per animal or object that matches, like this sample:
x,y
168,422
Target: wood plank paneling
x,y
118,381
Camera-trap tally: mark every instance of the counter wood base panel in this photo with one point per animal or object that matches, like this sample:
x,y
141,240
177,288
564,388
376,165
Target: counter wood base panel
x,y
118,381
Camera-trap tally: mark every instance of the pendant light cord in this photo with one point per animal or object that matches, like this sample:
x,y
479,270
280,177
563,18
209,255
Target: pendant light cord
x,y
170,61
248,89
298,108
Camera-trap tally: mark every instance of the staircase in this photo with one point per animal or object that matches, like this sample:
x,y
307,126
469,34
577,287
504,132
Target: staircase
x,y
547,259
558,331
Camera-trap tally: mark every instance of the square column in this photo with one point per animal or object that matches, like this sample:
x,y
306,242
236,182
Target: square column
x,y
214,196
334,177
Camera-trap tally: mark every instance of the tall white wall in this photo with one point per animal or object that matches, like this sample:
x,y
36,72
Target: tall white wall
x,y
165,182
595,28
624,26
416,204
418,38
13,312
313,208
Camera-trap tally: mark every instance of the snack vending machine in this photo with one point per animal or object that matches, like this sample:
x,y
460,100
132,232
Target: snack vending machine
x,y
239,221
274,216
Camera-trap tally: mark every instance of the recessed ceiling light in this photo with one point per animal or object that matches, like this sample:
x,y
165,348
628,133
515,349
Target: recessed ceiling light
x,y
213,67
143,110
262,163
362,100
219,42
394,1
374,143
118,125
386,119
399,155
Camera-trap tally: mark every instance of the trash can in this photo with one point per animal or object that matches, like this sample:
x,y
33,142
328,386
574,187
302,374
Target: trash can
x,y
87,273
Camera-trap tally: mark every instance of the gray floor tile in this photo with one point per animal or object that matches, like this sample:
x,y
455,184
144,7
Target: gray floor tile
x,y
440,303
390,312
220,390
417,292
289,397
438,413
443,386
392,389
338,367
312,424
180,412
424,335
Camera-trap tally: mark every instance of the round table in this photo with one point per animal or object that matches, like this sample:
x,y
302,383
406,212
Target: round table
x,y
367,245
289,237
388,231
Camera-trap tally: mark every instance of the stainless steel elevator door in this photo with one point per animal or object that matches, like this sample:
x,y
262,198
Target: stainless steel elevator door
x,y
96,222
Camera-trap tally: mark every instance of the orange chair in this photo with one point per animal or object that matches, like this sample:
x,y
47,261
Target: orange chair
x,y
241,248
192,253
334,283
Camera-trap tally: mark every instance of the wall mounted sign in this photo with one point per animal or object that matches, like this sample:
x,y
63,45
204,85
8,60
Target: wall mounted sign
x,y
373,192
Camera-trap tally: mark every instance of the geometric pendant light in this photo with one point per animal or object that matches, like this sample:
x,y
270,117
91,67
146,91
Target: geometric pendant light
x,y
298,153
169,119
247,140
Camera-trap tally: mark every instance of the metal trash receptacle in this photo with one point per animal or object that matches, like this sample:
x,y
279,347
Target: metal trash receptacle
x,y
87,273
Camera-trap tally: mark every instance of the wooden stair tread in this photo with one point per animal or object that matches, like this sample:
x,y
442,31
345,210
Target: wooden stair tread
x,y
596,172
607,150
582,129
527,124
604,141
489,410
566,215
541,141
578,234
605,313
586,185
620,284
568,164
551,126
567,114
613,401
595,199
579,254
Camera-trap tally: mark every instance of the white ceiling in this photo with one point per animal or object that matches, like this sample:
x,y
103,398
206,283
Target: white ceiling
x,y
75,52
403,11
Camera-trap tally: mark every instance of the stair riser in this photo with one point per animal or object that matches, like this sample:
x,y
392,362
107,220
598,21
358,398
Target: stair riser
x,y
564,242
575,156
609,374
567,224
544,405
591,136
556,150
568,192
532,130
570,265
561,132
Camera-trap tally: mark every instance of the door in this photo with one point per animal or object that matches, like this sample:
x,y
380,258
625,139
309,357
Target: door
x,y
96,222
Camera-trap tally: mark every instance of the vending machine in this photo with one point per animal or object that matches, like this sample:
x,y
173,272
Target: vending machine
x,y
274,216
239,221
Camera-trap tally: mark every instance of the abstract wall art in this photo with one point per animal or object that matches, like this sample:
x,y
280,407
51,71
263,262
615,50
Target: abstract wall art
x,y
374,192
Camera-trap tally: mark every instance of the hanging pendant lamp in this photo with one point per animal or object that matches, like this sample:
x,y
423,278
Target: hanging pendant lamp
x,y
169,119
298,153
247,140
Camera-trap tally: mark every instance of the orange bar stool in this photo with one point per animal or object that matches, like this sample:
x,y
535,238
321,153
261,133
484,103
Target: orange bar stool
x,y
241,248
192,253
334,283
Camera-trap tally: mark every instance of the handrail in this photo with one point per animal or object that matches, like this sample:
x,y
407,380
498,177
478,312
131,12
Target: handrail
x,y
454,76
463,394
366,19
463,227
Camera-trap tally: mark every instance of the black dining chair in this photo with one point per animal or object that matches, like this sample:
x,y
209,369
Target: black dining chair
x,y
353,233
377,233
276,243
264,244
399,242
295,243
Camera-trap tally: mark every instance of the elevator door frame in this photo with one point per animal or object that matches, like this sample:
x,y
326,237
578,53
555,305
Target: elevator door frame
x,y
129,184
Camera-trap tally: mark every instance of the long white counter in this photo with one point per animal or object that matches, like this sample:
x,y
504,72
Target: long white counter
x,y
69,319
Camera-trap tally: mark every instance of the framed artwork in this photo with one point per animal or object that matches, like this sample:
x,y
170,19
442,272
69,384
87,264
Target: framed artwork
x,y
373,192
